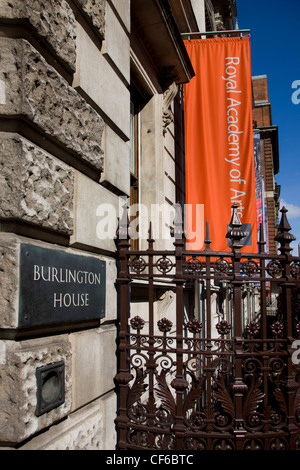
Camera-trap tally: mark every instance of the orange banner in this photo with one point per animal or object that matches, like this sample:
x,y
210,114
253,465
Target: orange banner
x,y
219,140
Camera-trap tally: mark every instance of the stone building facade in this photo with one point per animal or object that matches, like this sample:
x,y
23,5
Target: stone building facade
x,y
90,118
53,138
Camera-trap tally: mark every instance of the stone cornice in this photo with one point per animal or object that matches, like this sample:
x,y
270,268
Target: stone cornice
x,y
156,36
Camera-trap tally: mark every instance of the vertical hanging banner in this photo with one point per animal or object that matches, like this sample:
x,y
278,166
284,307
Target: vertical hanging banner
x,y
219,140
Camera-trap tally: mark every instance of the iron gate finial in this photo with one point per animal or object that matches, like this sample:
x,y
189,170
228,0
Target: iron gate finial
x,y
235,232
284,237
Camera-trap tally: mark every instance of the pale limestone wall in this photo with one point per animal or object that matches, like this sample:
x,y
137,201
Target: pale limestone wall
x,y
64,153
99,370
92,67
89,428
169,176
98,206
157,175
151,172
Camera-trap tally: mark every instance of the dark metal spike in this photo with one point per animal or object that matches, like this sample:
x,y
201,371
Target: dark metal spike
x,y
207,241
284,237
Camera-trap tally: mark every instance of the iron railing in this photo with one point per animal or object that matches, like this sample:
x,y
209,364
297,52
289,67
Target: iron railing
x,y
222,373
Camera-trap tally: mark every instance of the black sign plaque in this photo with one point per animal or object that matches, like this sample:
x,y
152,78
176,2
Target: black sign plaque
x,y
58,287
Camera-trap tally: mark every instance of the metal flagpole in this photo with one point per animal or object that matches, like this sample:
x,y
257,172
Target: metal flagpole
x,y
216,33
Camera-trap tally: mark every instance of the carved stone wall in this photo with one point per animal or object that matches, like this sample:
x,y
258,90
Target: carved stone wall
x,y
95,11
18,364
51,136
35,186
9,280
83,430
53,21
34,90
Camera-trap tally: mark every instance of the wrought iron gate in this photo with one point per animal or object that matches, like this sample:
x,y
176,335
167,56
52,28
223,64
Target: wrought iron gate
x,y
223,374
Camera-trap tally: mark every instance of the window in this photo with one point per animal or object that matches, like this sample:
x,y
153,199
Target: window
x,y
134,165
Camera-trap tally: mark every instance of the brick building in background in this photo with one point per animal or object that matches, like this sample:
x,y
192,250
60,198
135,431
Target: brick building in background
x,y
268,133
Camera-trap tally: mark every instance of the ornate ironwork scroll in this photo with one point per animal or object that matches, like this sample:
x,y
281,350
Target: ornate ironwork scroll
x,y
219,375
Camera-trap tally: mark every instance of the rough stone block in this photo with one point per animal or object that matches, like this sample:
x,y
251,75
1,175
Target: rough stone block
x,y
54,21
34,186
18,399
9,279
95,11
34,90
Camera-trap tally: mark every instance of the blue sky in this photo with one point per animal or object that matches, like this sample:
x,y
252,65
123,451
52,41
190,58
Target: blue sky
x,y
275,52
